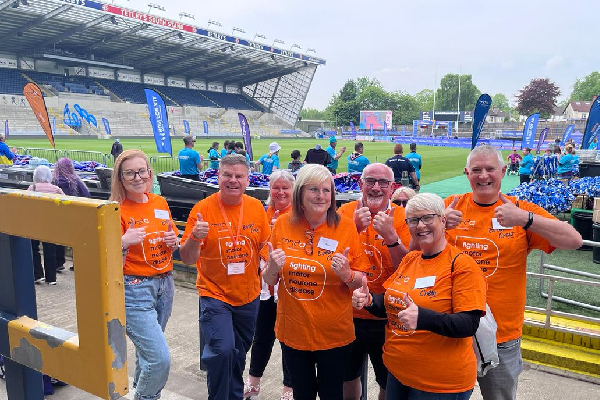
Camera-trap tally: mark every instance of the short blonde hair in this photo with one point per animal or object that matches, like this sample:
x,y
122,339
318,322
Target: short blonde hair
x,y
277,175
403,189
426,202
310,174
117,190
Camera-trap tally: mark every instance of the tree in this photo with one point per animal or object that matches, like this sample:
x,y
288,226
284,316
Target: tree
x,y
406,108
424,100
539,96
587,88
447,94
312,113
500,101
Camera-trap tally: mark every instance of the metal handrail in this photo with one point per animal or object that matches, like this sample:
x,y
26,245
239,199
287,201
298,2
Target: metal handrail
x,y
548,312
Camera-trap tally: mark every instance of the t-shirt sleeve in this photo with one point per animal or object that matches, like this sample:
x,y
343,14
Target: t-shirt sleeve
x,y
411,168
535,240
197,157
276,161
468,285
357,256
405,261
400,225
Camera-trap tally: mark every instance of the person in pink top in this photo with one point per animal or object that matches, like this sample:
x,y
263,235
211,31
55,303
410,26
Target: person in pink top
x,y
514,159
42,182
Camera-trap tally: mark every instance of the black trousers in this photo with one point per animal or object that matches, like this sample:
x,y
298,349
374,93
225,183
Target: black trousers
x,y
49,269
264,338
327,379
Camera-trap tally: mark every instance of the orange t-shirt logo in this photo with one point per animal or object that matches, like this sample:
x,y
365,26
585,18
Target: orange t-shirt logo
x,y
394,303
240,252
303,279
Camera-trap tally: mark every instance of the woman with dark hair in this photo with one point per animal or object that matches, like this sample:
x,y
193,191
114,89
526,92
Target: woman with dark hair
x,y
295,164
213,154
64,177
149,238
317,258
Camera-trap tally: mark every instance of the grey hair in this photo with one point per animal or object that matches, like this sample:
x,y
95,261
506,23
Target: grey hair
x,y
42,174
2,137
406,190
426,202
488,151
277,175
372,165
234,159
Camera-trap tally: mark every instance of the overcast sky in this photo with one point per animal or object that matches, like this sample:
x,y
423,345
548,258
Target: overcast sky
x,y
502,44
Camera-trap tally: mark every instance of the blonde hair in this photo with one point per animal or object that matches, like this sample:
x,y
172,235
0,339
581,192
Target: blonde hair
x,y
403,189
310,174
117,190
426,202
277,175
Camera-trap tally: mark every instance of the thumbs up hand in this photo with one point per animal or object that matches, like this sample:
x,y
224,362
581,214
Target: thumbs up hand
x,y
276,259
275,216
341,265
170,237
133,235
508,214
453,217
384,225
410,314
200,230
362,216
361,296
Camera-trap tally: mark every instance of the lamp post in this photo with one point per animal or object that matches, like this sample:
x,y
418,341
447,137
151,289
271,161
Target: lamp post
x,y
158,7
237,30
295,46
186,15
311,49
258,35
278,41
211,22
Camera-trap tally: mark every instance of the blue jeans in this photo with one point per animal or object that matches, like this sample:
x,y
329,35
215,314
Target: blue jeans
x,y
500,383
395,390
228,331
148,304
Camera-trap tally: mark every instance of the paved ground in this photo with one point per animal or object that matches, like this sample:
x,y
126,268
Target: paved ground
x,y
56,306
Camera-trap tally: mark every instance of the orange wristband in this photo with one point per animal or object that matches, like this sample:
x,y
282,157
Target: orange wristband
x,y
352,275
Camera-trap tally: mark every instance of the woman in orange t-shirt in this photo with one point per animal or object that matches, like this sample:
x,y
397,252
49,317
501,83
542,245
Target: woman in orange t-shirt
x,y
433,304
281,183
148,240
317,258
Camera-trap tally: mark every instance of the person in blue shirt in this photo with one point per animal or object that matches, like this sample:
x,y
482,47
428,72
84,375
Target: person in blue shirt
x,y
415,160
356,161
7,155
526,165
565,163
593,145
269,161
224,149
332,166
213,154
190,162
239,148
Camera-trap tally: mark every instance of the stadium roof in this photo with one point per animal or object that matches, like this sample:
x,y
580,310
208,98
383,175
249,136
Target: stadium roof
x,y
76,32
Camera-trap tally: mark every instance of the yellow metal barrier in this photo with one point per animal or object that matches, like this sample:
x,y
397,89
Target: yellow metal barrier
x,y
95,360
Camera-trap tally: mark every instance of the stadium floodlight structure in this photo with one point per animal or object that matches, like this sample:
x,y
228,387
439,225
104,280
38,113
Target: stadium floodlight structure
x,y
278,41
295,46
237,30
212,22
183,14
258,35
157,6
311,49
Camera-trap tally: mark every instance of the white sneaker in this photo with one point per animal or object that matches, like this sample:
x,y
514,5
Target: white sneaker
x,y
289,395
251,392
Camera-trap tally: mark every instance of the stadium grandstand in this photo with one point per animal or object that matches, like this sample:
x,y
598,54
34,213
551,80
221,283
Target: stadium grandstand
x,y
93,60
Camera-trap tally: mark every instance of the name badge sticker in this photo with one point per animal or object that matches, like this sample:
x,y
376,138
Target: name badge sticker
x,y
424,282
236,268
161,214
327,244
496,224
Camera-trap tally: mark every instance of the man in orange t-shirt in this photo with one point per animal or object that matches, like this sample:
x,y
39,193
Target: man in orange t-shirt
x,y
385,237
223,236
499,232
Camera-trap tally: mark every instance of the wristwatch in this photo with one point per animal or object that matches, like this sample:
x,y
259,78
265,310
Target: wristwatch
x,y
396,243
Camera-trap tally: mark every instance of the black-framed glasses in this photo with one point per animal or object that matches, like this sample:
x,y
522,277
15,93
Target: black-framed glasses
x,y
401,203
383,183
310,237
427,219
129,174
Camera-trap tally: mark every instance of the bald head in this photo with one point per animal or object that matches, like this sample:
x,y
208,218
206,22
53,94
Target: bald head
x,y
378,169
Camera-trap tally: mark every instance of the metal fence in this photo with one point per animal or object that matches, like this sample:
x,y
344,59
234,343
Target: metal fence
x,y
52,155
82,155
164,164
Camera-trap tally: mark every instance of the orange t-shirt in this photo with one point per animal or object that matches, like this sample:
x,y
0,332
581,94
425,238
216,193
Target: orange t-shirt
x,y
218,251
152,256
422,359
314,309
502,256
264,253
377,252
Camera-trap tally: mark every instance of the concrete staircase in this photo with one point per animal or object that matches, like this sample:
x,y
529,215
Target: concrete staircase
x,y
569,344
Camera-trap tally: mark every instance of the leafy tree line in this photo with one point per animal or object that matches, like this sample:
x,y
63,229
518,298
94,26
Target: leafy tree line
x,y
364,93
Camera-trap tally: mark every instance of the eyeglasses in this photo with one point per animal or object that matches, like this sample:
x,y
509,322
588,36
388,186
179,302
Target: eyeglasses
x,y
129,174
401,203
383,183
310,236
427,219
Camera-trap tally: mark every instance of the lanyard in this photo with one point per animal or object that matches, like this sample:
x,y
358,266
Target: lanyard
x,y
228,225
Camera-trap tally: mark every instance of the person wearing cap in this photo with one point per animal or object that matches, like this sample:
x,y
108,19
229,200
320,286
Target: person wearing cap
x,y
526,165
332,166
270,160
190,162
117,148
